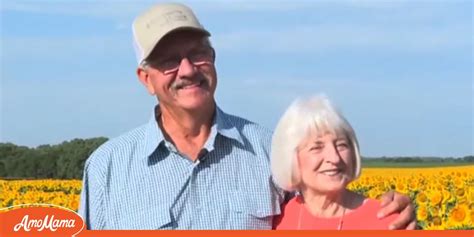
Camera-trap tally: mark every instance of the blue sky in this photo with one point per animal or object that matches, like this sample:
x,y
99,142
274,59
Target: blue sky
x,y
401,71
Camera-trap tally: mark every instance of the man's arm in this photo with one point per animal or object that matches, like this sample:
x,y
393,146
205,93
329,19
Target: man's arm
x,y
392,202
91,207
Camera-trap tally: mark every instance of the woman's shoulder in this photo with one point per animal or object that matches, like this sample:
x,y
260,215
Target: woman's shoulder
x,y
289,213
291,207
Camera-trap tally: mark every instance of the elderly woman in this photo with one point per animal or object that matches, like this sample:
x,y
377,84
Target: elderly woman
x,y
315,152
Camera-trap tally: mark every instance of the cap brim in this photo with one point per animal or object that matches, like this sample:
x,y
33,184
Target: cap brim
x,y
179,29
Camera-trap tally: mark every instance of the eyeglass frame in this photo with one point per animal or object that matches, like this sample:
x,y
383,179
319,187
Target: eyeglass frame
x,y
179,60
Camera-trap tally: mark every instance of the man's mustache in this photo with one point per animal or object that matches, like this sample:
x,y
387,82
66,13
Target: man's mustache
x,y
179,84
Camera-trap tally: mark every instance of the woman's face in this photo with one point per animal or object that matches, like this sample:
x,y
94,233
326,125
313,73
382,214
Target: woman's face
x,y
326,163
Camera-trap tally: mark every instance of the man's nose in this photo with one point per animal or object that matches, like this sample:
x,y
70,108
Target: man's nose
x,y
186,68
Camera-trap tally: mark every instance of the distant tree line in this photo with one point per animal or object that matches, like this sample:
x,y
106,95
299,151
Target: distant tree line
x,y
62,161
66,160
465,159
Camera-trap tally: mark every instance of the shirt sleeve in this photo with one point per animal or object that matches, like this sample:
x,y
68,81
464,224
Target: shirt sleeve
x,y
91,207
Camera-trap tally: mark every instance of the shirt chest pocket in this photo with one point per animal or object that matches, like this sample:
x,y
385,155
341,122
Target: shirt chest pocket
x,y
149,218
253,211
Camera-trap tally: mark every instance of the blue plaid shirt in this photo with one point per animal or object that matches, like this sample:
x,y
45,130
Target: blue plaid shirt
x,y
141,181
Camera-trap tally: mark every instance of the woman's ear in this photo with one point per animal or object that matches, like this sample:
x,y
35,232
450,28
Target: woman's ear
x,y
146,80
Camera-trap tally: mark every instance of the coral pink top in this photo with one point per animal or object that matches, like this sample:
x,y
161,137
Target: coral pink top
x,y
295,216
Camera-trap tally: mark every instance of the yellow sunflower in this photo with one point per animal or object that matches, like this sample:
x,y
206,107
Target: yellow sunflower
x,y
447,196
461,195
436,223
421,198
413,184
401,187
421,213
435,198
458,182
471,216
470,194
459,215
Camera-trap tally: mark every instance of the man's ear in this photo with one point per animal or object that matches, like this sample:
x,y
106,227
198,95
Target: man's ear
x,y
145,79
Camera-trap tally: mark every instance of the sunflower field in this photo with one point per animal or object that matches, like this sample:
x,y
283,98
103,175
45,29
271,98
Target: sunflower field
x,y
63,193
443,196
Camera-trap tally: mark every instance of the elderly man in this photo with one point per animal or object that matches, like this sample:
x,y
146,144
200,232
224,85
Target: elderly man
x,y
192,166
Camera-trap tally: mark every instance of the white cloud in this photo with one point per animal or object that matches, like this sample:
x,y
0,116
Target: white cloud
x,y
293,40
120,8
247,95
407,116
392,34
104,8
327,37
48,47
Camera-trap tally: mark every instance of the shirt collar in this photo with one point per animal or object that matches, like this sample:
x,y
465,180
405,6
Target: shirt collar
x,y
221,124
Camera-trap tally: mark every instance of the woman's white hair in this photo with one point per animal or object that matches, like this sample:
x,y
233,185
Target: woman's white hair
x,y
314,115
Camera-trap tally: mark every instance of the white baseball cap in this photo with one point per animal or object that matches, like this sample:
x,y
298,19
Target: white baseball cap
x,y
158,21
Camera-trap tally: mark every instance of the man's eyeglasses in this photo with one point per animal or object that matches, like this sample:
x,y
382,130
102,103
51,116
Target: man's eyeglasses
x,y
198,57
